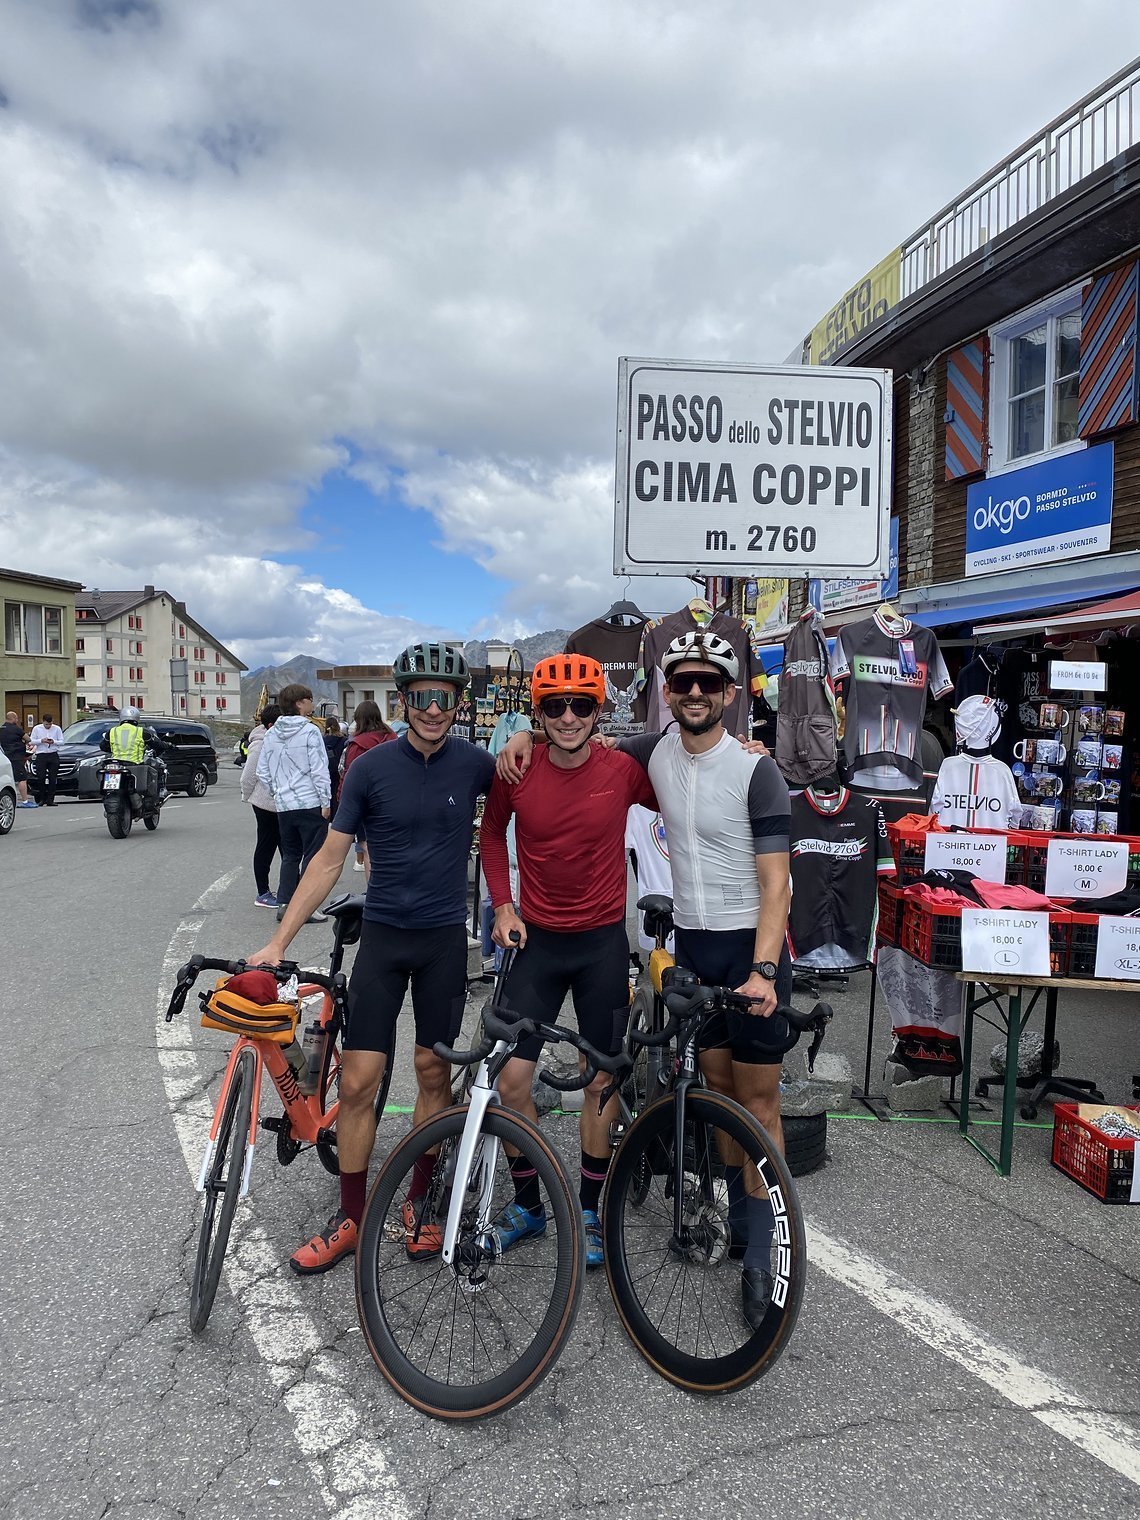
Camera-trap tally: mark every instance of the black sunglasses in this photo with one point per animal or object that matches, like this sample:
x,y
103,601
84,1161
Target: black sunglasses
x,y
445,699
581,707
707,681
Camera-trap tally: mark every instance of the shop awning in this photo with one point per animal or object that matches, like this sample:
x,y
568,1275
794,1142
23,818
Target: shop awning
x,y
1116,612
1030,596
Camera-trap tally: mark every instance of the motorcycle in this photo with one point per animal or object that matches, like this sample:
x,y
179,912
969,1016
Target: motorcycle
x,y
129,792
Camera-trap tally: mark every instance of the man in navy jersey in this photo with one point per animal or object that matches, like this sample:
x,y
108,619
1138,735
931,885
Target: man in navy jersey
x,y
414,800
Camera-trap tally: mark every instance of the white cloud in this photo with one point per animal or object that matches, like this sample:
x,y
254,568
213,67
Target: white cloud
x,y
234,237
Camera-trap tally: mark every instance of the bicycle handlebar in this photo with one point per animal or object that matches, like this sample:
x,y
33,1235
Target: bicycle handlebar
x,y
514,1031
691,1002
194,967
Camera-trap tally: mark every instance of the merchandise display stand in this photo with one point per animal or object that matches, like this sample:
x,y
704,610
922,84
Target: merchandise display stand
x,y
1005,993
863,1094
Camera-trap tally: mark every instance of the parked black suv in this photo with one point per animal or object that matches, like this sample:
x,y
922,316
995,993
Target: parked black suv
x,y
191,760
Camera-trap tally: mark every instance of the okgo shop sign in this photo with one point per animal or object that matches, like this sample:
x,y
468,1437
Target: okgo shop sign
x,y
1061,509
747,469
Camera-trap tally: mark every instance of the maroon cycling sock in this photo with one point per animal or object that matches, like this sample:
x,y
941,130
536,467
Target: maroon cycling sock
x,y
353,1186
422,1170
594,1169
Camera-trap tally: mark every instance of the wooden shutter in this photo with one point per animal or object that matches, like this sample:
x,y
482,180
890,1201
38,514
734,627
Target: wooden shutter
x,y
967,409
1107,396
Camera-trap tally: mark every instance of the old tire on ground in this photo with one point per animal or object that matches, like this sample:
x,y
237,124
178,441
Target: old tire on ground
x,y
805,1143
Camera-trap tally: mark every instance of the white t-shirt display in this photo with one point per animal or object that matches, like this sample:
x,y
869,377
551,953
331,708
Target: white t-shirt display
x,y
645,836
975,792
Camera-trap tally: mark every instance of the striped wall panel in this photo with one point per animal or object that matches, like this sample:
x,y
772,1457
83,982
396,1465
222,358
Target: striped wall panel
x,y
967,398
1107,396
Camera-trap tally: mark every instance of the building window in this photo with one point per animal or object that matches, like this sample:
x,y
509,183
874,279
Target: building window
x,y
110,646
139,703
31,628
1037,361
80,673
217,658
202,701
182,703
182,630
138,646
182,651
79,646
220,703
110,672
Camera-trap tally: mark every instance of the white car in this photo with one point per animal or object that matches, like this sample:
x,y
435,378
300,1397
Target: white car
x,y
7,796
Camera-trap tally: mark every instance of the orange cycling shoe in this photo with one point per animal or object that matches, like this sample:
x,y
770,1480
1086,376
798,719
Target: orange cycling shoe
x,y
327,1247
422,1237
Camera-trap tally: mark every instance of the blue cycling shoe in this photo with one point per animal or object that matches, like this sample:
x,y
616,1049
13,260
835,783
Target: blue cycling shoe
x,y
595,1255
514,1224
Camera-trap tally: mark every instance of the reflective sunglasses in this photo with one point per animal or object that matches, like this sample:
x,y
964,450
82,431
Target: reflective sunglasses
x,y
581,707
708,682
445,699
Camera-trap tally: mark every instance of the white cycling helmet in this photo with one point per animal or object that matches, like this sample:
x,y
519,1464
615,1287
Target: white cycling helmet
x,y
709,648
129,715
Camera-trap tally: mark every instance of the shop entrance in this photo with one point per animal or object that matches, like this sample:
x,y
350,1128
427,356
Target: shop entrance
x,y
30,706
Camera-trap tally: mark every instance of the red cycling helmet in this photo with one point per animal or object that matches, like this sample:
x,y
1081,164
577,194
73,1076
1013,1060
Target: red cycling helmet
x,y
568,675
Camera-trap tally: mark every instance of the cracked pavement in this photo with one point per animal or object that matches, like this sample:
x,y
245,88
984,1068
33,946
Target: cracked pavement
x,y
110,1407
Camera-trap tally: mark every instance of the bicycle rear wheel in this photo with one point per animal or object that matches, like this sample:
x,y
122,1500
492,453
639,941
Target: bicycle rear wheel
x,y
681,1298
223,1184
470,1339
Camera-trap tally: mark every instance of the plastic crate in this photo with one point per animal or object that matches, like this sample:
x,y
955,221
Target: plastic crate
x,y
1101,1165
933,935
1082,944
909,849
1035,854
891,903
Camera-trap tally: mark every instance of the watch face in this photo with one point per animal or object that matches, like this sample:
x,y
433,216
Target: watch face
x,y
767,969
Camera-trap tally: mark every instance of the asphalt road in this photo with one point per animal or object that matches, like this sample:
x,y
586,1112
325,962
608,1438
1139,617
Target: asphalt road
x,y
968,1345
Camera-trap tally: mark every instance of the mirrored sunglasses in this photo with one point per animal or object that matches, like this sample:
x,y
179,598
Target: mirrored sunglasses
x,y
708,682
581,707
445,698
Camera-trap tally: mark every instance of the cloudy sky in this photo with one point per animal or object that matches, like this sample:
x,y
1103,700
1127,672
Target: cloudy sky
x,y
311,313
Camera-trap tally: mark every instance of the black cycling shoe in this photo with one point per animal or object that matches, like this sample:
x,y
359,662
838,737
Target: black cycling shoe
x,y
755,1295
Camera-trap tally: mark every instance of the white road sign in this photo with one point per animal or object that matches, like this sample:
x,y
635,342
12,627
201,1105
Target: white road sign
x,y
752,469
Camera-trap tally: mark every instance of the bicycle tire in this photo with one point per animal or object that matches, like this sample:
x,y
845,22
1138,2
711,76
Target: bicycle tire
x,y
655,1279
412,1311
642,1086
327,1149
223,1180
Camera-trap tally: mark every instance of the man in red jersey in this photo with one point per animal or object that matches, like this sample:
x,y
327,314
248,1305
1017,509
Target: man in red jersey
x,y
570,817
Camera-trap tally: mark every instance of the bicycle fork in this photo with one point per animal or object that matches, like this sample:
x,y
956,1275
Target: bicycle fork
x,y
483,1095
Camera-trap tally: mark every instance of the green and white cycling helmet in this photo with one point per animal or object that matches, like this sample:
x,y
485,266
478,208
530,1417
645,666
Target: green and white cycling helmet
x,y
708,648
431,662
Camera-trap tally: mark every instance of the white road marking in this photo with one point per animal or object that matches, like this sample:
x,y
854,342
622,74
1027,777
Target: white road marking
x,y
350,1469
1103,1436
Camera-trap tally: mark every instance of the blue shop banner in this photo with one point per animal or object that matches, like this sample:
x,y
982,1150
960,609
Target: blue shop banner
x,y
1059,509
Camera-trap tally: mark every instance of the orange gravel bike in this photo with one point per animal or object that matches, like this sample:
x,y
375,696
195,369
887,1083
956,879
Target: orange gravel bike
x,y
265,1041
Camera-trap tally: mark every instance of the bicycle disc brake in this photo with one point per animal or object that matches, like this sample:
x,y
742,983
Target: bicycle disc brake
x,y
705,1235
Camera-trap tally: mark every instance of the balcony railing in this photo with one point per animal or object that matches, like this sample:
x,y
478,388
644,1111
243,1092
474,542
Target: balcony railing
x,y
1078,143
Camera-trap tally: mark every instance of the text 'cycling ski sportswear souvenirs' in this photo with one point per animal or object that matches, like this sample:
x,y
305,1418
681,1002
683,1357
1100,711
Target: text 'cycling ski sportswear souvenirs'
x,y
839,849
888,665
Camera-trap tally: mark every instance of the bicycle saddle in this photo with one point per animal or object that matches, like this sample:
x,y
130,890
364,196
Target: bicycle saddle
x,y
348,912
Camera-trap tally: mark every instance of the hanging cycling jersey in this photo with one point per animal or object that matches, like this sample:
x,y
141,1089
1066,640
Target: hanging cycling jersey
x,y
839,849
888,664
805,719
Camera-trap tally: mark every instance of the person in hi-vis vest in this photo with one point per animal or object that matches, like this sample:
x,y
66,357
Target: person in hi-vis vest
x,y
129,742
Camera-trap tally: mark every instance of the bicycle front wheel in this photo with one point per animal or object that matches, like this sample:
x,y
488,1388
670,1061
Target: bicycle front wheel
x,y
223,1185
682,1295
470,1339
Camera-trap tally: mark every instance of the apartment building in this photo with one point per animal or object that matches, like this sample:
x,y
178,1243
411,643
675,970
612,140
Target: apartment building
x,y
142,648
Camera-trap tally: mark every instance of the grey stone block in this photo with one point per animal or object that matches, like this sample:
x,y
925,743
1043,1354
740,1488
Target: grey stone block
x,y
904,1092
802,1099
1030,1050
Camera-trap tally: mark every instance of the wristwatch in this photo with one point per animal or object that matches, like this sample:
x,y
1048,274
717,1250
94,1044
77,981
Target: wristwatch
x,y
767,969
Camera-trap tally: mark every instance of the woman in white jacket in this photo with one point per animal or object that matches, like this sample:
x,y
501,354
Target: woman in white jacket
x,y
293,765
264,808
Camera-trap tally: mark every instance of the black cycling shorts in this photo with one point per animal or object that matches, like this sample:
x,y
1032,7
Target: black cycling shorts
x,y
590,964
433,961
723,958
